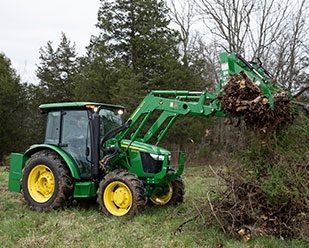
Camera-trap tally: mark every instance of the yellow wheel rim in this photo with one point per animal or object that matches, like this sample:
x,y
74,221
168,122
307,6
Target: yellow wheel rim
x,y
117,198
41,183
163,199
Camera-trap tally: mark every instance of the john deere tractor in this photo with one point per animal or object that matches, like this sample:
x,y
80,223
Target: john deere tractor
x,y
89,151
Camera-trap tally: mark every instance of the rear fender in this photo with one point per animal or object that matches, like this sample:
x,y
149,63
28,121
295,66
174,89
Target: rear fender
x,y
19,160
36,148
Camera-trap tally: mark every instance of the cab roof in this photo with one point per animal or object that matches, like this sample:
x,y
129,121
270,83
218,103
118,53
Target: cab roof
x,y
77,105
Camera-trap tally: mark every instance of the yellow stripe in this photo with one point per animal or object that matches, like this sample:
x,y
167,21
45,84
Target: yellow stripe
x,y
137,110
134,147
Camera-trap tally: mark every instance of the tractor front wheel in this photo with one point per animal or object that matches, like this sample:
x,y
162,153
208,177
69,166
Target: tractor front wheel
x,y
121,193
46,181
175,193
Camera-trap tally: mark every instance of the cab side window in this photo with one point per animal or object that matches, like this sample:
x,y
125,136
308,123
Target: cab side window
x,y
52,128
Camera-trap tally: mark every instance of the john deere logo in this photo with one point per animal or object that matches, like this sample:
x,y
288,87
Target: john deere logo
x,y
161,102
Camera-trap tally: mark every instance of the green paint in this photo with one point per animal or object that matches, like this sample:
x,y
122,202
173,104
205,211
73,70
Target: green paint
x,y
17,163
157,125
85,189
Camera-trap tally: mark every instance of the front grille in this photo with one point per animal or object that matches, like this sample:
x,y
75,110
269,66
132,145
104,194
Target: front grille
x,y
150,165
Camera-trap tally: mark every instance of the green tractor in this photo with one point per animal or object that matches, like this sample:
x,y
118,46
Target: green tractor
x,y
89,151
83,156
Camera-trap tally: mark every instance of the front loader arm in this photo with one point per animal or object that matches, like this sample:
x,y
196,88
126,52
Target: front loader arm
x,y
171,104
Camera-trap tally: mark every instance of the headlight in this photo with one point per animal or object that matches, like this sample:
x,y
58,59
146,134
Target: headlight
x,y
159,157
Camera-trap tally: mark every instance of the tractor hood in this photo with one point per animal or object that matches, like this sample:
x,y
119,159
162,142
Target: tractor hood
x,y
143,147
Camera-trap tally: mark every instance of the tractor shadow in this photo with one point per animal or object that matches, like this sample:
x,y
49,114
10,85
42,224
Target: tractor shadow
x,y
85,203
91,204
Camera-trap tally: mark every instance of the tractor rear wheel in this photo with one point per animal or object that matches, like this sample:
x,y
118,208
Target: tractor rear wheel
x,y
121,193
175,193
46,181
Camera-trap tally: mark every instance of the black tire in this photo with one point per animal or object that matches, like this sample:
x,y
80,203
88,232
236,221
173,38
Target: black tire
x,y
114,181
178,192
61,192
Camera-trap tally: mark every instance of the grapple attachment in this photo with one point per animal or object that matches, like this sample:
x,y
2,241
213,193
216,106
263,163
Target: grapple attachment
x,y
248,91
236,64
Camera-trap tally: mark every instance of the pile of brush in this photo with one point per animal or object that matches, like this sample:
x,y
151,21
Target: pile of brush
x,y
241,97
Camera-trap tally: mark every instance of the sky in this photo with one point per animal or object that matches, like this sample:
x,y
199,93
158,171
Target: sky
x,y
27,25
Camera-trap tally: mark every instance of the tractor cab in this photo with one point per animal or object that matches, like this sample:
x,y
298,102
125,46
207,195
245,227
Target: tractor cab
x,y
71,127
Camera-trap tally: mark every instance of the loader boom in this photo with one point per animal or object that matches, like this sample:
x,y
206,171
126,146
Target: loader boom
x,y
172,104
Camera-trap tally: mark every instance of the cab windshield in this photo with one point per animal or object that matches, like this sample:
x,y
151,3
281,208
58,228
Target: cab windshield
x,y
108,120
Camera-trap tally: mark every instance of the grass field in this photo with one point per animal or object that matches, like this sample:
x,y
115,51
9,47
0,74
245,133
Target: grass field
x,y
83,225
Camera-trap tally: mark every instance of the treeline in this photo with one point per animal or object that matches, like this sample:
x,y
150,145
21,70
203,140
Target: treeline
x,y
136,50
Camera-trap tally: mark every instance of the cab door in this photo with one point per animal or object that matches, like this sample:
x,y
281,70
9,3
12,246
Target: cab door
x,y
76,139
71,131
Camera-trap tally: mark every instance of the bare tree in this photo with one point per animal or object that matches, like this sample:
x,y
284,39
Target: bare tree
x,y
291,53
228,21
275,31
195,54
184,15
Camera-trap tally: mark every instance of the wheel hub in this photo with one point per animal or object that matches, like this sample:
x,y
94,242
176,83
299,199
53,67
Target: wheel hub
x,y
45,183
41,183
117,198
121,197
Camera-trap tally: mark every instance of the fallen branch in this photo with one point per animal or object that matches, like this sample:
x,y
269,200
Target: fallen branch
x,y
179,228
214,213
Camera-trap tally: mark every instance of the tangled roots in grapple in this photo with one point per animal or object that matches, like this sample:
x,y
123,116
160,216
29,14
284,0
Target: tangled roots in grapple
x,y
241,97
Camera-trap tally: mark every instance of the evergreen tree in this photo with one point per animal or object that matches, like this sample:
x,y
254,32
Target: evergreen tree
x,y
11,107
95,78
57,70
136,34
34,121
